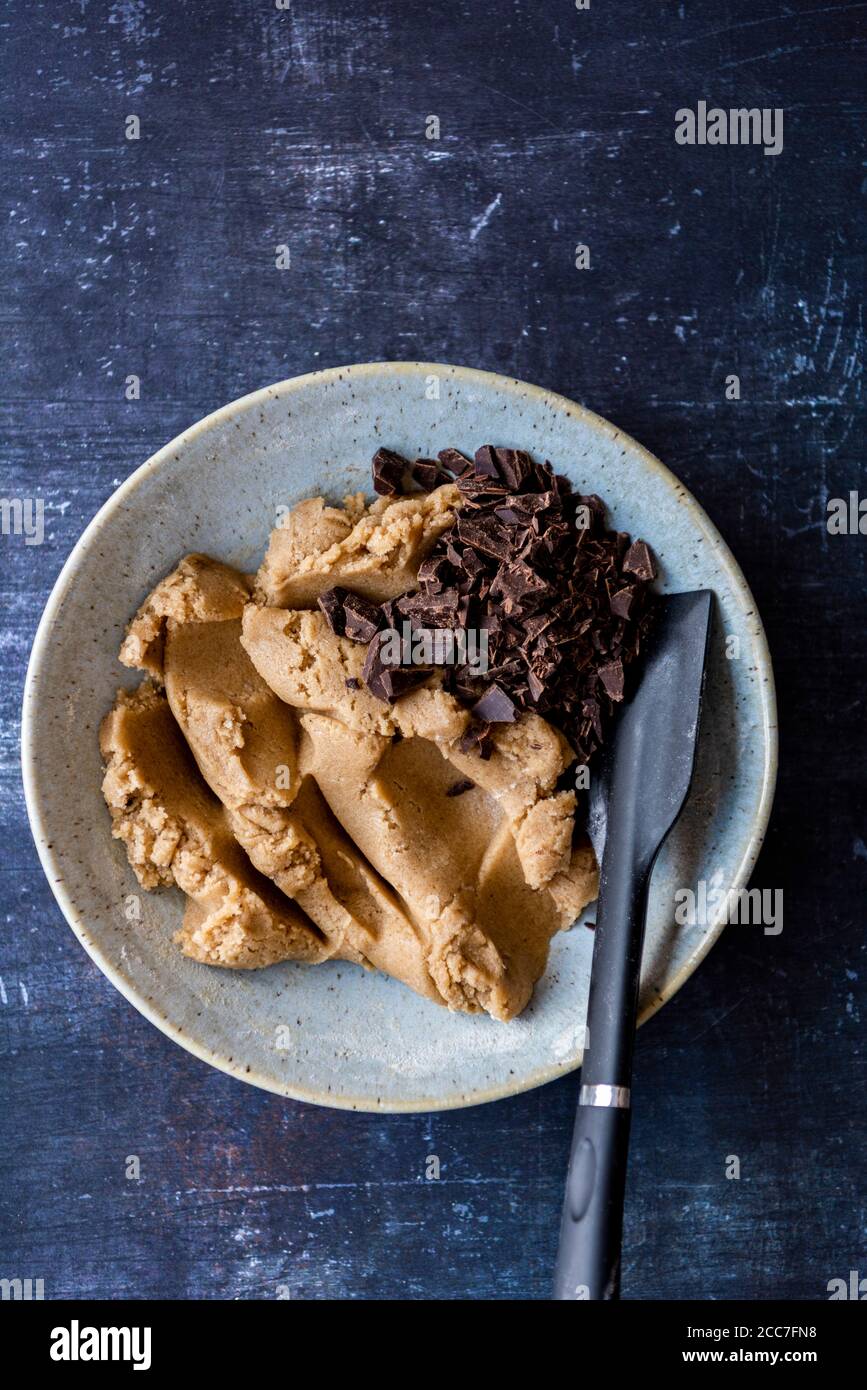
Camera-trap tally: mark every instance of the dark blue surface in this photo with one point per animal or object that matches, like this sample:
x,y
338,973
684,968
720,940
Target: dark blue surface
x,y
156,258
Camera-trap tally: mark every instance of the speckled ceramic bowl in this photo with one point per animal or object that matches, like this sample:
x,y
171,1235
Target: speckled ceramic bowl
x,y
335,1034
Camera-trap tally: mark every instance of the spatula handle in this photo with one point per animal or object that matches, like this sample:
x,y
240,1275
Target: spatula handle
x,y
588,1259
588,1263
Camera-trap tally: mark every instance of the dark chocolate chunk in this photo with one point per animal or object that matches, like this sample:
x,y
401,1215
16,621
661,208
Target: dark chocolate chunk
x,y
478,490
428,474
611,677
352,683
430,610
639,561
477,737
472,564
389,471
535,686
389,682
484,534
397,680
361,618
516,583
435,572
331,603
486,462
622,602
456,462
390,617
515,466
495,707
374,669
458,788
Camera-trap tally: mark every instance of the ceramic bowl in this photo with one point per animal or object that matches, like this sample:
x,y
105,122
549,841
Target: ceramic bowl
x,y
335,1034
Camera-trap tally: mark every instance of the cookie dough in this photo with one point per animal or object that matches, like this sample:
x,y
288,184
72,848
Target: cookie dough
x,y
326,822
375,551
176,832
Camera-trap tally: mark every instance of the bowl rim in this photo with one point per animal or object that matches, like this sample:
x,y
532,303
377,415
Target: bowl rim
x,y
66,578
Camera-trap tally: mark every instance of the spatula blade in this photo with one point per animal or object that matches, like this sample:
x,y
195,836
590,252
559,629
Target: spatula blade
x,y
653,743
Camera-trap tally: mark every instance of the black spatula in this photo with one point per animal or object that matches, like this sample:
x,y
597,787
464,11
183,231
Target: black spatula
x,y
636,795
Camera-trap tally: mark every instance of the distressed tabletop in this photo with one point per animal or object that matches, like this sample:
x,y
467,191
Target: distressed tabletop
x,y
146,285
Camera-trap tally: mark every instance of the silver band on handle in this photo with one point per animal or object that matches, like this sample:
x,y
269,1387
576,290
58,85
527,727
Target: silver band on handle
x,y
611,1097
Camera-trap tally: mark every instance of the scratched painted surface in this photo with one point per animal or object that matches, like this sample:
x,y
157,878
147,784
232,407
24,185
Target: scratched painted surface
x,y
156,258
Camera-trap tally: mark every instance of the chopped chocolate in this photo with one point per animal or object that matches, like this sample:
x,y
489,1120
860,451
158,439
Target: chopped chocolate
x,y
515,466
390,615
486,462
611,677
472,564
495,707
430,610
458,788
478,491
352,683
516,584
435,572
485,534
389,472
622,602
456,462
361,618
639,561
428,474
564,600
374,668
477,738
535,686
398,680
331,603
389,682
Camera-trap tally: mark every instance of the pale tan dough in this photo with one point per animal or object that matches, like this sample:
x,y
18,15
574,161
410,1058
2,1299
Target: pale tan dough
x,y
244,741
375,551
339,799
199,589
176,832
